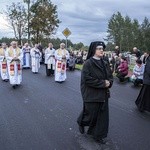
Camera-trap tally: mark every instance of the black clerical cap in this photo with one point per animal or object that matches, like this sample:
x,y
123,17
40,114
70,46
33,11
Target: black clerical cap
x,y
93,46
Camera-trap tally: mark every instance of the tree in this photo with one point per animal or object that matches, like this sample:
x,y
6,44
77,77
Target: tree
x,y
78,46
136,32
9,40
145,33
109,46
17,18
56,42
44,20
6,40
128,33
115,28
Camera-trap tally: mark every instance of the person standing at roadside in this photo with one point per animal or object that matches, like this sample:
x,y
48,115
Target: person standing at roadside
x,y
61,56
143,99
96,79
14,56
50,60
3,63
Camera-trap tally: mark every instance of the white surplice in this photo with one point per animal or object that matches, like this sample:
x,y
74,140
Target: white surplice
x,y
35,59
26,57
3,65
50,58
14,66
60,71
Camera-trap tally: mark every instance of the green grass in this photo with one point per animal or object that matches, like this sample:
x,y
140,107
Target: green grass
x,y
79,67
131,67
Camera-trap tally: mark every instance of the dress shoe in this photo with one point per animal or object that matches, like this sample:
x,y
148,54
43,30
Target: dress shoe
x,y
140,110
14,86
100,141
81,129
5,80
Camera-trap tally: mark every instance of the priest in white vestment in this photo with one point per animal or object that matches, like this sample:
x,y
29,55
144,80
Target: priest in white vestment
x,y
50,60
14,57
61,56
35,59
26,56
3,63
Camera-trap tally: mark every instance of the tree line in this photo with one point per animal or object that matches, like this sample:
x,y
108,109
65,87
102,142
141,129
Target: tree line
x,y
56,43
128,33
38,20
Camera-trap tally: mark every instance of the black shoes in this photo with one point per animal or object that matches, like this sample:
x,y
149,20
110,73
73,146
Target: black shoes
x,y
14,86
60,82
140,110
100,141
6,80
81,129
35,72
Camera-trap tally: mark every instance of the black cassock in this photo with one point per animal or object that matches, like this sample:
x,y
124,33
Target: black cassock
x,y
95,95
143,99
49,71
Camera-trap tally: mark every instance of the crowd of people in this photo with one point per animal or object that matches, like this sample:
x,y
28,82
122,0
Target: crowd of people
x,y
13,59
120,65
96,77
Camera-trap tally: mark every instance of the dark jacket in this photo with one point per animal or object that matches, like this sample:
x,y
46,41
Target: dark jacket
x,y
93,78
123,67
146,79
117,52
138,54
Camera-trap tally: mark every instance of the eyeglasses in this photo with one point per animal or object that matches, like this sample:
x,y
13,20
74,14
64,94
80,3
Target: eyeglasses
x,y
99,48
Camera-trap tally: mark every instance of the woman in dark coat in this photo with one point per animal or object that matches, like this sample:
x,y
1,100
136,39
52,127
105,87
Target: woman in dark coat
x,y
143,100
96,79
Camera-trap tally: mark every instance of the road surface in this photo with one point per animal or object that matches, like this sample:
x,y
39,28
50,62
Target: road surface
x,y
41,115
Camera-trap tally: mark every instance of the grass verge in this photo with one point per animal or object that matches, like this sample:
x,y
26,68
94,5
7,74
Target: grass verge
x,y
79,66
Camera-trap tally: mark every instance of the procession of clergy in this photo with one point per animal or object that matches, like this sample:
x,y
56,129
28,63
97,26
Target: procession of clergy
x,y
13,60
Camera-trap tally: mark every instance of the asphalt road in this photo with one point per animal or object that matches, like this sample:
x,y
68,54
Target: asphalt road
x,y
41,115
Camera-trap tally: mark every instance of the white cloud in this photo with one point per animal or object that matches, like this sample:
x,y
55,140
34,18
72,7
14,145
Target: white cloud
x,y
3,23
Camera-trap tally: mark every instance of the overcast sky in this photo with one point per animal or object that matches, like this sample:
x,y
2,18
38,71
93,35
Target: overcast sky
x,y
88,19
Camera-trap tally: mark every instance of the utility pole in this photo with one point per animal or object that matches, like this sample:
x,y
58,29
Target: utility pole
x,y
28,18
66,43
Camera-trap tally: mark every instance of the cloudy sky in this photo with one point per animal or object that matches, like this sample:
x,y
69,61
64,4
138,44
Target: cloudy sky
x,y
87,19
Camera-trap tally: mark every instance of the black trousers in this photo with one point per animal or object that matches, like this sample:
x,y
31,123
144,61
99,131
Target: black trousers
x,y
138,81
121,76
96,117
49,71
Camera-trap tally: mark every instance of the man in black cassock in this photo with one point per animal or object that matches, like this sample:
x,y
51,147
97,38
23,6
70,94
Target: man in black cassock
x,y
96,79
